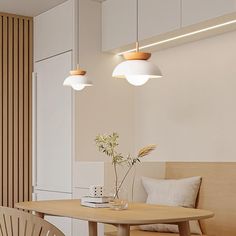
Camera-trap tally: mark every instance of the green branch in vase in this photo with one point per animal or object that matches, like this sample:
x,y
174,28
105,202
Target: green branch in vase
x,y
108,145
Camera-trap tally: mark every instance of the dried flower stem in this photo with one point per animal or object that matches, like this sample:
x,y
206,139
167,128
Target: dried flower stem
x,y
122,181
116,181
107,144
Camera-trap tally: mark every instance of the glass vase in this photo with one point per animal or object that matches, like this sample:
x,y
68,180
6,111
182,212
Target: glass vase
x,y
119,200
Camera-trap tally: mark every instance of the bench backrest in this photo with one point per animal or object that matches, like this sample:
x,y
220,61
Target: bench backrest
x,y
217,193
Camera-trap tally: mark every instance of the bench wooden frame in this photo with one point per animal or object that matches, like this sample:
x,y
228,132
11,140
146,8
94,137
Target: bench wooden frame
x,y
217,194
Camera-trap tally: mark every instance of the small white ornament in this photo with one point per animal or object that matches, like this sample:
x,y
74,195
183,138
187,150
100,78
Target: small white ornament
x,y
96,191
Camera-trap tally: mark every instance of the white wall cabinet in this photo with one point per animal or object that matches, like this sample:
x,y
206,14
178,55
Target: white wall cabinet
x,y
158,16
118,23
195,11
53,31
119,20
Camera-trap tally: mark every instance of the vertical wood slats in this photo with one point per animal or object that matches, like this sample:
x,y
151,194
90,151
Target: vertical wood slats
x,y
16,111
10,112
16,60
1,107
5,111
21,110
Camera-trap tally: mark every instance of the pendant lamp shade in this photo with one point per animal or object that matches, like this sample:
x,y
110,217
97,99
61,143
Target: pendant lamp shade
x,y
136,69
137,72
77,80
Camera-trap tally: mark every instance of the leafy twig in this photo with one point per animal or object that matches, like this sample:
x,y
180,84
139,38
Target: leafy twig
x,y
107,144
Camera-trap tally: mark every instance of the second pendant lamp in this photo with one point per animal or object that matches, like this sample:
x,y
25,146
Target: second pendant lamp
x,y
137,69
77,78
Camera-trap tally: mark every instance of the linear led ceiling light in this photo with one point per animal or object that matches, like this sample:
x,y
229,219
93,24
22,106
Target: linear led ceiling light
x,y
181,36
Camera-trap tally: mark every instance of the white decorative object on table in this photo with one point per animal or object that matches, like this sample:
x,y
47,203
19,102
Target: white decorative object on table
x,y
96,191
103,199
97,200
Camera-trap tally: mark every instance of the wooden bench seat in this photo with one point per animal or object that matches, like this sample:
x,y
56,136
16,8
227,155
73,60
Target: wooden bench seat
x,y
217,194
145,233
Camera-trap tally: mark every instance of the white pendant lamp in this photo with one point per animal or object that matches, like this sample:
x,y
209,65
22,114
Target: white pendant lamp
x,y
77,79
137,69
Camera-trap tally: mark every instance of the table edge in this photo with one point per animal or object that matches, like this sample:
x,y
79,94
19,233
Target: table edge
x,y
130,222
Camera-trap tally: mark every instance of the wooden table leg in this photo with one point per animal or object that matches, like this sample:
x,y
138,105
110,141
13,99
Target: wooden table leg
x,y
123,230
93,231
184,229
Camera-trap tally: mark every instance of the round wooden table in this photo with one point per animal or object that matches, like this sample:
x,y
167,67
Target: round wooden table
x,y
136,214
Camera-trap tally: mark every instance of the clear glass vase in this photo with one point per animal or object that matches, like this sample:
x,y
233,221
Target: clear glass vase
x,y
119,200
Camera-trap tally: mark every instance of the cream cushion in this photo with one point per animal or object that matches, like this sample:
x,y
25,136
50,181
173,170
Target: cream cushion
x,y
172,192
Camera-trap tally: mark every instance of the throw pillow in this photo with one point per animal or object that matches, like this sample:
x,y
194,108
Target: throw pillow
x,y
172,192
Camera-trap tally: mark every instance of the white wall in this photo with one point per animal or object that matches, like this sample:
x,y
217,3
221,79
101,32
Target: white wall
x,y
190,113
108,105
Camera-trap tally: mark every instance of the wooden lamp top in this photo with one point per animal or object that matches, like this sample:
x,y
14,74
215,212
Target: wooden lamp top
x,y
137,55
77,72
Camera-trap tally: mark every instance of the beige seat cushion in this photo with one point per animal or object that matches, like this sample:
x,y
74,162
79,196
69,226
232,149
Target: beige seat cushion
x,y
145,233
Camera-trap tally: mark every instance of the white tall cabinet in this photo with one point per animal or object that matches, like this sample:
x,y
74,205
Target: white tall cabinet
x,y
53,108
53,127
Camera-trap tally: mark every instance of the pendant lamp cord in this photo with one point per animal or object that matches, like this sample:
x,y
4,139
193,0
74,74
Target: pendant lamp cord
x,y
137,26
78,29
181,13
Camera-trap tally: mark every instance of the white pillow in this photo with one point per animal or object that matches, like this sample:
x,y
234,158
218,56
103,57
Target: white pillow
x,y
172,192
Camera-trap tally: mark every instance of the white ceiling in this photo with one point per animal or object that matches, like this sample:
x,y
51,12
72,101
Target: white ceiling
x,y
28,7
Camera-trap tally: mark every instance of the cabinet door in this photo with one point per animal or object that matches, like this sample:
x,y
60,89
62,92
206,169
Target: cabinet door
x,y
53,125
157,17
118,23
53,31
195,11
63,223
